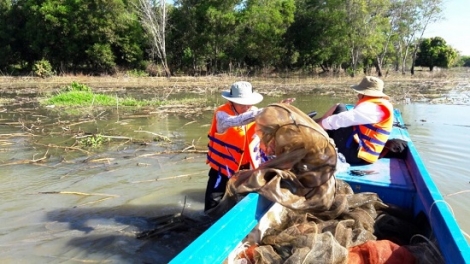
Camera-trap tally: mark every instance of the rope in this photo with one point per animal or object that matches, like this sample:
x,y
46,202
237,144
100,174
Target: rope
x,y
446,203
436,250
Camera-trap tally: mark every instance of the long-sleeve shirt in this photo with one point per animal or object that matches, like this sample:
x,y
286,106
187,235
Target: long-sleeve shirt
x,y
225,121
364,113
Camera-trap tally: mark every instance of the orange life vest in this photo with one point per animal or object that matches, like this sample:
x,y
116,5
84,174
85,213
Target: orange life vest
x,y
235,147
372,137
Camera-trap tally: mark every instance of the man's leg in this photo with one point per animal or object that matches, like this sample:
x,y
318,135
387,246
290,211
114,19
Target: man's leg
x,y
345,144
215,189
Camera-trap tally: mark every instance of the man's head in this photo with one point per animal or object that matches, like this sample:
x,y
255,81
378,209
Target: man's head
x,y
370,86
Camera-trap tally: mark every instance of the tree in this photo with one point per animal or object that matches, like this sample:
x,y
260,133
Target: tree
x,y
435,52
411,18
316,37
76,35
380,27
465,61
261,30
428,11
365,21
6,34
204,34
153,16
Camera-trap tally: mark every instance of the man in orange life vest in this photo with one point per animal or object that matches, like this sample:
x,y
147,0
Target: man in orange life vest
x,y
360,134
233,144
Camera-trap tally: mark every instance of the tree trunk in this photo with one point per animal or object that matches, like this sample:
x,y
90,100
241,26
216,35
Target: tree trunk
x,y
153,16
378,68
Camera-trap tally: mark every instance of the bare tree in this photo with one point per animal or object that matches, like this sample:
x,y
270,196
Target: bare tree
x,y
153,16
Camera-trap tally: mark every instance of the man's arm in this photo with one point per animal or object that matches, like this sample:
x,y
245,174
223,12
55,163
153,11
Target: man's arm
x,y
327,114
365,113
225,121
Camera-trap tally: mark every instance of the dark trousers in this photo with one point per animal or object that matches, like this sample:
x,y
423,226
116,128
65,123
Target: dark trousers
x,y
344,141
216,186
215,189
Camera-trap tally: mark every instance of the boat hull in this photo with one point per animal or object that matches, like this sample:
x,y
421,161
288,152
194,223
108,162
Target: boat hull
x,y
405,183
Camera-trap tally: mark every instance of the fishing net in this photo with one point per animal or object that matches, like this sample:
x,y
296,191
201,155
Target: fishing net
x,y
301,176
321,219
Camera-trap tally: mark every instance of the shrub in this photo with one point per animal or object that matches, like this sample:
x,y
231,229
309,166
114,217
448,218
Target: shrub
x,y
75,86
43,68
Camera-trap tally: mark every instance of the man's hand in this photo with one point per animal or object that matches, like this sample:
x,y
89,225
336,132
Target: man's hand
x,y
287,101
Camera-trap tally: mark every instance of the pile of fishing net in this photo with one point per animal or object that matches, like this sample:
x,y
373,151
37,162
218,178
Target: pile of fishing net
x,y
358,228
321,219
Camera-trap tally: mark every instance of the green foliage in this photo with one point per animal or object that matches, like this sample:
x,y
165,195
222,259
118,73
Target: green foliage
x,y
94,141
75,86
188,58
435,52
465,61
43,68
101,57
128,101
262,27
313,19
80,98
206,36
137,73
77,94
84,99
91,35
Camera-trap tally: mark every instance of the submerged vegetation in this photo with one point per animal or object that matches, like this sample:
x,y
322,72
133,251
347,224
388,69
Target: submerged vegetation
x,y
94,141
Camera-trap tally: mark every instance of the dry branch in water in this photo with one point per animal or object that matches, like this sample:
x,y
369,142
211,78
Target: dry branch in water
x,y
79,193
107,196
160,137
27,161
169,178
173,152
102,160
62,147
459,192
17,135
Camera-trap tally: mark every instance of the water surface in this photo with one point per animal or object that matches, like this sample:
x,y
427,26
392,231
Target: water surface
x,y
76,207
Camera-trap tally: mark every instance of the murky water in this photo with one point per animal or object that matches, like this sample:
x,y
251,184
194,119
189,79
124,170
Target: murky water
x,y
76,207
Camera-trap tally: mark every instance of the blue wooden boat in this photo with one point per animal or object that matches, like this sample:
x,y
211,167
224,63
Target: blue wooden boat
x,y
403,182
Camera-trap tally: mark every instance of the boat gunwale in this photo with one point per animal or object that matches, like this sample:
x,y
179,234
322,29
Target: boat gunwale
x,y
457,249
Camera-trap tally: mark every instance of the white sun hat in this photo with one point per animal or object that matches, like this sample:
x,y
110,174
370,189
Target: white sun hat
x,y
242,93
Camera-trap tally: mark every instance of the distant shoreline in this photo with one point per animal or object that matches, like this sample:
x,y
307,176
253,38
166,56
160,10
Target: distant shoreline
x,y
423,83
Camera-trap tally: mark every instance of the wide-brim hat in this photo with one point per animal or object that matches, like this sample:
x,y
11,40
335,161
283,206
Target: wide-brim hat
x,y
370,86
242,93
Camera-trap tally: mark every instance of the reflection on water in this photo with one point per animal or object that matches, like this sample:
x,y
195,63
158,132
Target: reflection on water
x,y
440,133
82,207
79,207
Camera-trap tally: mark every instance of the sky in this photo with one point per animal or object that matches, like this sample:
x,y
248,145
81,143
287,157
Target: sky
x,y
455,28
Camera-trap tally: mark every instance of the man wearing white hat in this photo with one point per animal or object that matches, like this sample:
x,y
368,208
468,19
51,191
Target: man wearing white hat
x,y
360,134
233,144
